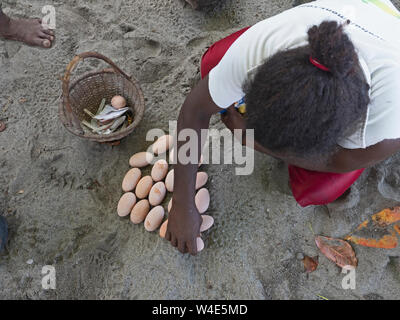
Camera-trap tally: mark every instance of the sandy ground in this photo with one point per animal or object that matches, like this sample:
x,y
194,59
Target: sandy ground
x,y
66,215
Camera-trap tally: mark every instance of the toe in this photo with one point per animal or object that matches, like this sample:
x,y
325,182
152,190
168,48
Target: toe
x,y
46,36
48,31
46,43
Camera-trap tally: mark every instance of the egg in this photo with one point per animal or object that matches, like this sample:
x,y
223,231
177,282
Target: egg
x,y
163,229
131,179
159,170
169,181
201,179
202,200
140,211
201,160
171,156
141,159
200,244
169,205
118,102
162,144
154,218
143,187
126,204
207,223
157,193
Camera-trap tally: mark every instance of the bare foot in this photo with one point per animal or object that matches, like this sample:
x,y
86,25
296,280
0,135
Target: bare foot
x,y
193,3
29,31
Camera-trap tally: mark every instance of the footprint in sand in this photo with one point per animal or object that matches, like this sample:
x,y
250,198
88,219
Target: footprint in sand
x,y
389,183
142,47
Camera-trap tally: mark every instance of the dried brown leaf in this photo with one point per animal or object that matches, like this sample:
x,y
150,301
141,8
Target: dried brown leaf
x,y
310,264
337,250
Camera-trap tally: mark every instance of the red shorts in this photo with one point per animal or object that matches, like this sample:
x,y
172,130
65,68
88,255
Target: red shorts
x,y
308,187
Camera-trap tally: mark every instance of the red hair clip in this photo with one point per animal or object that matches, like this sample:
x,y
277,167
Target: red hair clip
x,y
319,65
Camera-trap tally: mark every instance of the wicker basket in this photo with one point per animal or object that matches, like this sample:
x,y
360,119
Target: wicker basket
x,y
88,91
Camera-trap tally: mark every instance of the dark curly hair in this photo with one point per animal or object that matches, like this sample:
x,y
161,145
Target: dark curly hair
x,y
295,107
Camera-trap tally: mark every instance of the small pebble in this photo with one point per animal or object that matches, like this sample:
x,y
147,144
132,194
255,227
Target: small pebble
x,y
299,256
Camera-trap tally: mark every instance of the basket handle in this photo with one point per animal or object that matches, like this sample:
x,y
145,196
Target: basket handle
x,y
70,115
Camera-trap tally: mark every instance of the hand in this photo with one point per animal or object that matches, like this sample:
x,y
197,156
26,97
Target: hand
x,y
184,228
234,120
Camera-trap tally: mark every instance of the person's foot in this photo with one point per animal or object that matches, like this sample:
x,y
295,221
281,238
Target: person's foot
x,y
29,31
3,233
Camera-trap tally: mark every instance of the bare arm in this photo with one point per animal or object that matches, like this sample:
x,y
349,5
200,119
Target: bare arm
x,y
184,219
344,160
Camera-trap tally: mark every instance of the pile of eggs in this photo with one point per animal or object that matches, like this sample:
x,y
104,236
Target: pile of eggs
x,y
144,195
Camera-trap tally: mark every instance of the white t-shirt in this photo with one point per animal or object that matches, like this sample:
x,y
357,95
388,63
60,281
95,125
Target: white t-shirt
x,y
375,33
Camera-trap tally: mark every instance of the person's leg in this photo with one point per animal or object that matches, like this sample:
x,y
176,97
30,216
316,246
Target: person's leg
x,y
29,31
319,188
3,233
214,54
